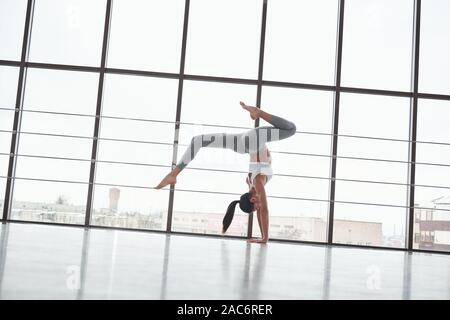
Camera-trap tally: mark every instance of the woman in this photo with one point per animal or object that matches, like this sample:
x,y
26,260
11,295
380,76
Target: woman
x,y
252,142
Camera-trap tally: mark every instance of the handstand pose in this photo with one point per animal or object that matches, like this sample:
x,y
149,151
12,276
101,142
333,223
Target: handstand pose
x,y
252,142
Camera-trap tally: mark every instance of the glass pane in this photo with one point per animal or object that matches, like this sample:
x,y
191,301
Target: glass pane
x,y
432,215
57,124
12,22
134,152
377,193
137,208
130,175
293,164
51,146
195,212
8,91
6,123
157,29
5,142
137,98
53,169
295,219
49,201
377,44
126,207
2,184
231,29
215,104
140,97
382,117
292,52
434,74
55,91
367,225
4,160
8,86
379,171
432,123
372,148
61,91
121,206
311,111
137,130
377,117
201,180
235,183
68,31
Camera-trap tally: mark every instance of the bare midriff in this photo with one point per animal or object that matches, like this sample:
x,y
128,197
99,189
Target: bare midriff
x,y
264,156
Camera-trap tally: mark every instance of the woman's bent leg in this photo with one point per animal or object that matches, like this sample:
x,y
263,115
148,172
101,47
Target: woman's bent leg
x,y
280,130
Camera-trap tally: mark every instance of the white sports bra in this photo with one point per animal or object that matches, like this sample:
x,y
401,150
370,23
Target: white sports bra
x,y
256,168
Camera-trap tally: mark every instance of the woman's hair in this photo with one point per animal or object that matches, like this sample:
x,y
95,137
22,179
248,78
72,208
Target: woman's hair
x,y
244,204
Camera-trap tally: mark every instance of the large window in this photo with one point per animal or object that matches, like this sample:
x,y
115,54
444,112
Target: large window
x,y
8,91
68,31
303,178
12,19
432,197
94,140
54,150
435,47
377,44
135,150
156,28
223,38
207,108
372,173
292,52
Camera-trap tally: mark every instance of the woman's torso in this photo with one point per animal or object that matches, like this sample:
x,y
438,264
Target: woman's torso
x,y
265,169
264,156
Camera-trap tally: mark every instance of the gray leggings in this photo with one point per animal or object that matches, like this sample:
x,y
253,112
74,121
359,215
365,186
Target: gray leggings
x,y
249,141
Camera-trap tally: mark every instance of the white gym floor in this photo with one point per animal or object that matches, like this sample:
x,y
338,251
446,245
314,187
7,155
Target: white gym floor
x,y
54,262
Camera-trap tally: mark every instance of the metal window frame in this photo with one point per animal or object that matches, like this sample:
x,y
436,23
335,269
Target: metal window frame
x,y
335,124
413,127
414,95
259,93
98,113
178,113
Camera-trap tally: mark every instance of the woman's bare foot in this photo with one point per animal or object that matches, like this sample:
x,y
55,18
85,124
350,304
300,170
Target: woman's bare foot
x,y
169,179
257,240
254,111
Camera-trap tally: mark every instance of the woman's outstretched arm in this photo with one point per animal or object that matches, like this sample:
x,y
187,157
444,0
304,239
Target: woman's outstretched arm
x,y
262,211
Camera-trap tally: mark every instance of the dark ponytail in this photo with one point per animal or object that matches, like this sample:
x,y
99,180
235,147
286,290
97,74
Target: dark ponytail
x,y
229,215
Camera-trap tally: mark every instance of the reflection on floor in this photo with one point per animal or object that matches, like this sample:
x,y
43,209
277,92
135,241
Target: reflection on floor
x,y
52,262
